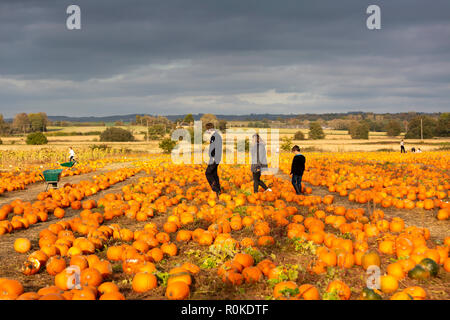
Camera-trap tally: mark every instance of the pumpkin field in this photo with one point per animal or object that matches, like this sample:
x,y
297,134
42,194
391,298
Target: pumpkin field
x,y
138,226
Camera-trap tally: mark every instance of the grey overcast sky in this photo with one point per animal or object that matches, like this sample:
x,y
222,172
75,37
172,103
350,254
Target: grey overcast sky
x,y
224,57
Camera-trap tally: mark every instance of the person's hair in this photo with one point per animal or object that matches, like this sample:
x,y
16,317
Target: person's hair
x,y
296,148
209,125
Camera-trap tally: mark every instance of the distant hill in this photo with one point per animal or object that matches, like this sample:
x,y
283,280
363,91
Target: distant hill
x,y
132,117
246,117
125,118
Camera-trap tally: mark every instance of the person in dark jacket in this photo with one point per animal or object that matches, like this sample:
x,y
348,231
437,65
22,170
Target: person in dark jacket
x,y
259,162
402,147
215,156
297,169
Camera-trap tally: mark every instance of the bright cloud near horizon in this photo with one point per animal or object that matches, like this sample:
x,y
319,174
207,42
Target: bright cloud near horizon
x,y
223,57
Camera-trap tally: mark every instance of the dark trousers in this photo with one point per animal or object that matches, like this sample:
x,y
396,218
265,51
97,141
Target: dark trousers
x,y
297,183
212,177
71,159
257,182
402,149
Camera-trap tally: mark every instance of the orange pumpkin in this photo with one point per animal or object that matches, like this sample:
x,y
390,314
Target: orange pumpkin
x,y
143,282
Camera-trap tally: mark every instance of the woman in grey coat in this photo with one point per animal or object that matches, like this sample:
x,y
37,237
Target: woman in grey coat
x,y
258,162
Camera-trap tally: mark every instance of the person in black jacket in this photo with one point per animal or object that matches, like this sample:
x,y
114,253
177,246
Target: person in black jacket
x,y
297,169
215,156
259,162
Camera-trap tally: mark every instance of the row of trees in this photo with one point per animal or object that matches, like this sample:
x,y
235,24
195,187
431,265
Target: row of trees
x,y
428,127
259,124
392,126
158,130
62,123
359,125
24,123
377,120
315,132
357,130
158,127
152,120
210,118
418,127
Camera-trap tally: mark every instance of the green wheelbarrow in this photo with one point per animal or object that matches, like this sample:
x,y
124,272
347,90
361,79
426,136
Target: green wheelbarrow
x,y
69,164
51,177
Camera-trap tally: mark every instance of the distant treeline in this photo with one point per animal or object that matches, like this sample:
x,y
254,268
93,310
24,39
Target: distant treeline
x,y
414,124
24,123
76,124
248,117
72,133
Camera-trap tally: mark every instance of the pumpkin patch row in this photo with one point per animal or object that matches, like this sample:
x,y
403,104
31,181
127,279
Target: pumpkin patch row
x,y
345,253
171,211
54,201
390,180
19,178
12,181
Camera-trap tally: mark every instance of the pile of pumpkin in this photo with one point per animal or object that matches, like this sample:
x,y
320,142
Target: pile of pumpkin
x,y
186,198
409,244
57,243
10,181
55,200
383,179
19,178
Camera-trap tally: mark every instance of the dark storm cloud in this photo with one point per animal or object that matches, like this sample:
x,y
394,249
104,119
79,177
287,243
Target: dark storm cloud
x,y
231,56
